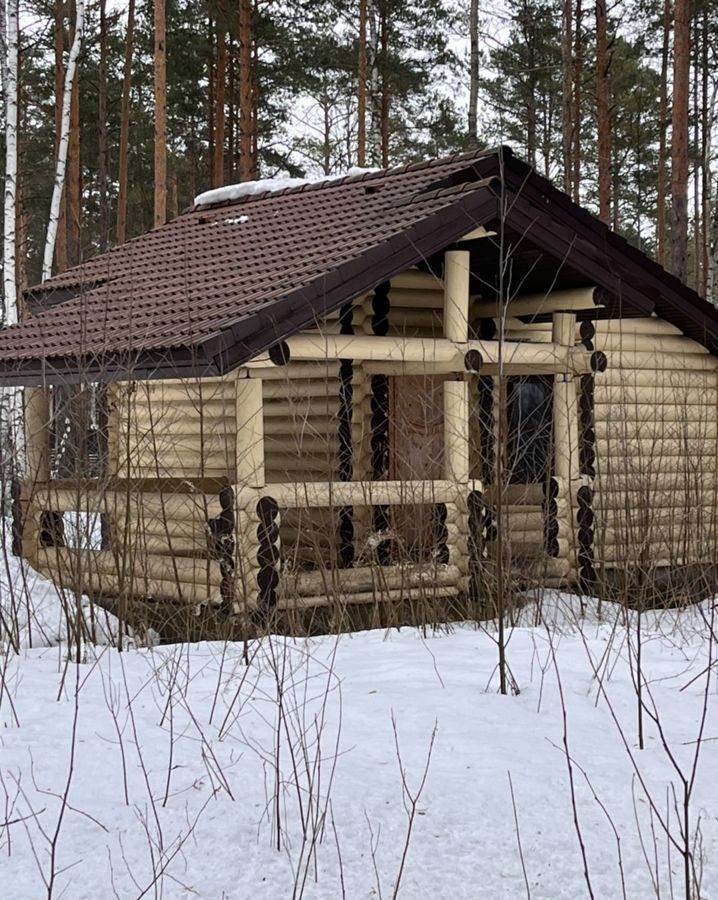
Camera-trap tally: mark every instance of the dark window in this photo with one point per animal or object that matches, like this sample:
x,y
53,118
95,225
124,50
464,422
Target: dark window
x,y
529,421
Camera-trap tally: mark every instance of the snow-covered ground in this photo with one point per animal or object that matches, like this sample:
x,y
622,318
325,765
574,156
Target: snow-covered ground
x,y
275,770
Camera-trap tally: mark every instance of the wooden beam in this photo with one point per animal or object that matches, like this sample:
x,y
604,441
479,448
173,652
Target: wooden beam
x,y
439,355
37,434
538,304
456,431
250,433
456,295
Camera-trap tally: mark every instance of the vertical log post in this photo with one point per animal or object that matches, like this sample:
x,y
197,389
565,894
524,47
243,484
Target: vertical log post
x,y
249,469
456,409
566,459
37,469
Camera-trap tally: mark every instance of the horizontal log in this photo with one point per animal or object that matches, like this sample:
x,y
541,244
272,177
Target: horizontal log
x,y
174,503
693,481
428,592
658,396
306,387
541,303
74,571
635,325
440,354
416,280
516,494
261,368
642,504
628,359
300,409
669,378
366,578
615,432
306,495
652,448
658,344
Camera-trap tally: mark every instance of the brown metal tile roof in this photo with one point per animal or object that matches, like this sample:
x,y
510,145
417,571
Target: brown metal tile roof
x,y
210,290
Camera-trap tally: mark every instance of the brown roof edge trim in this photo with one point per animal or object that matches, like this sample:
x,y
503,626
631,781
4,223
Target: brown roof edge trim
x,y
142,366
658,279
544,232
356,277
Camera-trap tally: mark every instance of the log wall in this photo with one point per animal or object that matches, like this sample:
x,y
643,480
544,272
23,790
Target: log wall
x,y
656,449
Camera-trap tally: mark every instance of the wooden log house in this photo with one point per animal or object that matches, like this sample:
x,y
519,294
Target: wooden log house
x,y
382,387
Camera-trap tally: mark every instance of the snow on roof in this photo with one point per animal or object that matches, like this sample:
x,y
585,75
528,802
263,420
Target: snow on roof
x,y
266,185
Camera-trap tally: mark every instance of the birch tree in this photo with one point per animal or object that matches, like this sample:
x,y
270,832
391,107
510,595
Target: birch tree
x,y
61,163
10,65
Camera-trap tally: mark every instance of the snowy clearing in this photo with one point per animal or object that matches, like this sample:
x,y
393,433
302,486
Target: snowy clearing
x,y
184,769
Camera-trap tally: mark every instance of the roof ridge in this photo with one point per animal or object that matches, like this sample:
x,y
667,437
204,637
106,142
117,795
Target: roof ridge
x,y
335,181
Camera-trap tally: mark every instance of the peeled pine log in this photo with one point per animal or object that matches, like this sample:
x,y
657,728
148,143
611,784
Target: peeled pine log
x,y
299,409
660,361
74,572
294,371
658,396
427,592
658,344
300,389
649,449
677,380
305,495
539,304
365,578
635,325
402,298
416,280
666,430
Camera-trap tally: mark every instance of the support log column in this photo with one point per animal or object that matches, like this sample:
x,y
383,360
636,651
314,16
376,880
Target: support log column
x,y
566,461
456,412
249,469
37,471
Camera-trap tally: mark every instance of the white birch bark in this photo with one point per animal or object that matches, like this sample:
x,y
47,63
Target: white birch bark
x,y
374,99
10,65
708,219
61,165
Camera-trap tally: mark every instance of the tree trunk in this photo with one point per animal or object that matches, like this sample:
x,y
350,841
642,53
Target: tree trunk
x,y
160,116
125,128
577,90
64,139
231,111
374,82
221,75
473,71
696,114
211,103
59,47
679,139
246,93
104,237
10,83
385,85
361,87
73,193
602,113
662,129
567,65
706,127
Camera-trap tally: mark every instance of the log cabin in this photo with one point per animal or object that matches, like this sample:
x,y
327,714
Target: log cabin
x,y
410,386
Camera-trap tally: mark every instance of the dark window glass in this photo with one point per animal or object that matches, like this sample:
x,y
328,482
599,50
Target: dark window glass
x,y
529,420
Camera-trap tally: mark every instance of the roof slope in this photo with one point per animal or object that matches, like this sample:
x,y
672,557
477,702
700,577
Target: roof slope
x,y
218,284
222,283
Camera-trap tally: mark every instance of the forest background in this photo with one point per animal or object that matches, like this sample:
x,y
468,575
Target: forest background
x,y
616,103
